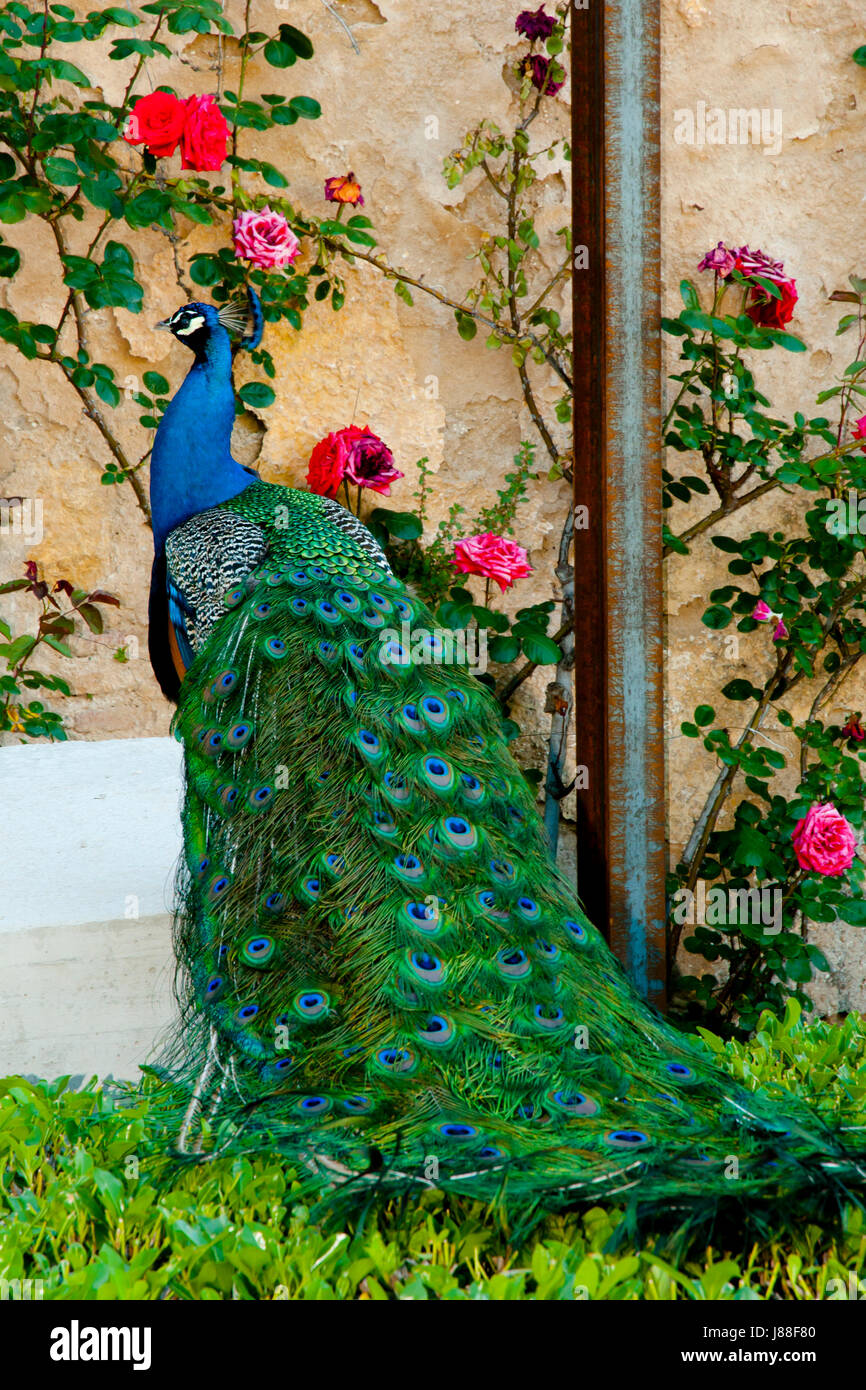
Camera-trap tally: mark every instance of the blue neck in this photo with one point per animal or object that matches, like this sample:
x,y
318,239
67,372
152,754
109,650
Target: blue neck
x,y
191,466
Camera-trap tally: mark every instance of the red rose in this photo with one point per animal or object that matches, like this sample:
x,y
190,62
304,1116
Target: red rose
x,y
767,311
157,122
205,135
328,465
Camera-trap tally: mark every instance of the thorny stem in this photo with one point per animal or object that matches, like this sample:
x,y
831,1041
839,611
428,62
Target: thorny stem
x,y
392,273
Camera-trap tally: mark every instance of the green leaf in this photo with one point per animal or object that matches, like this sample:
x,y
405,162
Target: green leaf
x,y
853,911
704,715
156,382
307,107
859,56
296,40
503,649
10,260
279,55
717,617
404,525
740,689
466,325
257,394
62,171
541,650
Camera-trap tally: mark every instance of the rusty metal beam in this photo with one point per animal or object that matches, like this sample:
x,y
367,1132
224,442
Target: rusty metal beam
x,y
618,599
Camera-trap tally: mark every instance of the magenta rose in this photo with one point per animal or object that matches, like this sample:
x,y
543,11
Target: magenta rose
x,y
369,461
539,69
824,841
493,557
535,24
265,239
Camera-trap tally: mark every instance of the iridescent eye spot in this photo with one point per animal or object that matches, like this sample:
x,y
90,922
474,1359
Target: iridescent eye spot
x,y
458,1131
275,901
318,573
247,1013
408,866
357,1105
577,932
262,610
393,653
627,1138
238,735
679,1071
312,1004
260,797
213,742
214,987
301,606
314,1105
457,695
573,1102
546,1016
528,909
299,577
397,1059
219,886
512,963
275,648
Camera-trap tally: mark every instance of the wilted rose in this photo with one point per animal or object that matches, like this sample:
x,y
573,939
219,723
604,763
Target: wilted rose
x,y
344,189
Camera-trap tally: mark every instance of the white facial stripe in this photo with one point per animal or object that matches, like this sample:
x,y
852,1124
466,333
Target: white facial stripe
x,y
193,324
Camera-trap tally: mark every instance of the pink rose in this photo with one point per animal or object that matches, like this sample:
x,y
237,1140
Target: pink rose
x,y
824,841
494,557
858,430
763,613
265,239
205,135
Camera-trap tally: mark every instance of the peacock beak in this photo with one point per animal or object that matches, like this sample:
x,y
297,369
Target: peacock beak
x,y
163,323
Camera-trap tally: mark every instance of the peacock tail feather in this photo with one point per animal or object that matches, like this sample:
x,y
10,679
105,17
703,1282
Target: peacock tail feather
x,y
385,977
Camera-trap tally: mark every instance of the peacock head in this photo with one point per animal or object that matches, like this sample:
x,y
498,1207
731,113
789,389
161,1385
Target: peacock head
x,y
196,325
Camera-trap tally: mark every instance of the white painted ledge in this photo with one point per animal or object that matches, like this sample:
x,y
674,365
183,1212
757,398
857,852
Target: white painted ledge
x,y
91,836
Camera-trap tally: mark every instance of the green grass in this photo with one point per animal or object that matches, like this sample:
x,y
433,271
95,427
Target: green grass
x,y
78,1216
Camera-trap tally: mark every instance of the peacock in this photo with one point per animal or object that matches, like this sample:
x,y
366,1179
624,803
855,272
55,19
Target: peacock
x,y
384,977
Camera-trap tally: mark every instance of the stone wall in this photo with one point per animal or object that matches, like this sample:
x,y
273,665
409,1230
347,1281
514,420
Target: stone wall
x,y
800,200
391,112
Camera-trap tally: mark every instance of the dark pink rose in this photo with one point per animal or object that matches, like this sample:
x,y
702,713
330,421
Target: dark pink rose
x,y
493,557
265,239
824,841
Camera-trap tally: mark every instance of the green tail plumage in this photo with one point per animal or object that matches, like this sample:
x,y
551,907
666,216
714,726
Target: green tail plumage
x,y
386,977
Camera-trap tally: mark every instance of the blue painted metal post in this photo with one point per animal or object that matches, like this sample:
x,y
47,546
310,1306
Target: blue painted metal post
x,y
619,724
